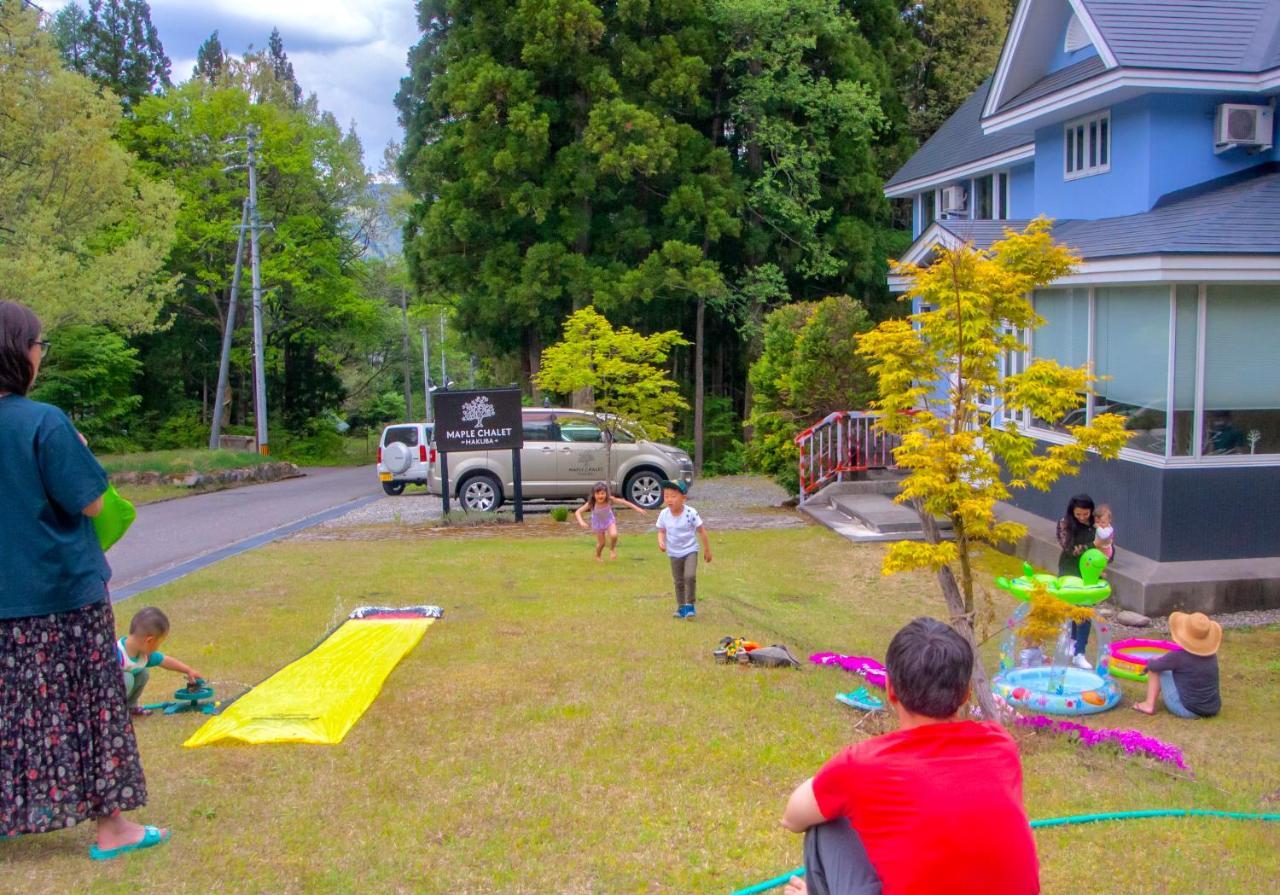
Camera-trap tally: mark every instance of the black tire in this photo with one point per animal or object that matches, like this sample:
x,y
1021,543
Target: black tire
x,y
644,488
394,489
480,493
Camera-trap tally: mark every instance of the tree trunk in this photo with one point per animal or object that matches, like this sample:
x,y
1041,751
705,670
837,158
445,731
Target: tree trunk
x,y
699,332
533,362
961,618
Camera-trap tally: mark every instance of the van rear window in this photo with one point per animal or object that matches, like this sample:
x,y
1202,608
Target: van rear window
x,y
406,435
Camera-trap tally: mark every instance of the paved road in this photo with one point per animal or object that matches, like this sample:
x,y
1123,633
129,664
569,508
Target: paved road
x,y
177,536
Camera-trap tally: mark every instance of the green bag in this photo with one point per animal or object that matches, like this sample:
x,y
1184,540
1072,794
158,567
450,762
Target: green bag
x,y
114,520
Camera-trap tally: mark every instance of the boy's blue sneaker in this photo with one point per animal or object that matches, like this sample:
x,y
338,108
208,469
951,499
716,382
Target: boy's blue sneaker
x,y
690,611
680,612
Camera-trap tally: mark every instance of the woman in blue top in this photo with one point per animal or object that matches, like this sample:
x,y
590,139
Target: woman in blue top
x,y
67,750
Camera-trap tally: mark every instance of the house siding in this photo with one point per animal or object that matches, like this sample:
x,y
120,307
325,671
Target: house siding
x,y
1176,515
1182,144
1125,189
1022,192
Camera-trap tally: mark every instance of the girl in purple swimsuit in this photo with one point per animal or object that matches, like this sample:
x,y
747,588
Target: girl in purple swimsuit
x,y
604,523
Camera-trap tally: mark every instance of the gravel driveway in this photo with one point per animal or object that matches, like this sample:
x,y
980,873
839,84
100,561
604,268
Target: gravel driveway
x,y
725,502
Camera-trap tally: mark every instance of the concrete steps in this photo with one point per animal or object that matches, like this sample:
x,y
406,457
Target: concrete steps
x,y
863,511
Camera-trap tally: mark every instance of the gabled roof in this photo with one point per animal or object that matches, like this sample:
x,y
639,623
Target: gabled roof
x,y
1191,35
959,142
1059,80
1183,45
1235,215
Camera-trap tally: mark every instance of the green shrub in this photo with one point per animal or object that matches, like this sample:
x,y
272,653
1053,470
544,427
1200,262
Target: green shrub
x,y
808,369
181,430
560,514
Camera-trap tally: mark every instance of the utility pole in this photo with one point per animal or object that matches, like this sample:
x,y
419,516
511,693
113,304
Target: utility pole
x,y
444,377
404,353
224,363
426,370
259,370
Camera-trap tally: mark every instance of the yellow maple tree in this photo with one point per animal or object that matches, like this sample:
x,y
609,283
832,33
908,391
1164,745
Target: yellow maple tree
x,y
939,370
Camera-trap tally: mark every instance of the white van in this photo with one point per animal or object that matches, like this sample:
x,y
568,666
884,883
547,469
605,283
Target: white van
x,y
405,456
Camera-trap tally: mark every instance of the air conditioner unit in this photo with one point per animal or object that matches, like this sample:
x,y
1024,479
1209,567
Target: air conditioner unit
x,y
955,200
1239,125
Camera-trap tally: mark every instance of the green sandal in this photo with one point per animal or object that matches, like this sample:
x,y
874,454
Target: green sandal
x,y
151,837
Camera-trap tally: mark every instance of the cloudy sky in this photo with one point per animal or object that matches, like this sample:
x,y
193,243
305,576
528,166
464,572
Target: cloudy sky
x,y
350,53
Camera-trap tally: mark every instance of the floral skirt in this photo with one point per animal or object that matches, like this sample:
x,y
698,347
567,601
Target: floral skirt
x,y
67,750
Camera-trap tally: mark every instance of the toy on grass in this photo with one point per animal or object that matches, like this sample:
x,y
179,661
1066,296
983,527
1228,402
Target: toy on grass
x,y
1057,688
733,649
1129,657
320,696
1087,589
197,697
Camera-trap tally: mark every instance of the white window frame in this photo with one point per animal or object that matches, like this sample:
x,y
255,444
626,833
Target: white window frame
x,y
1091,127
1197,459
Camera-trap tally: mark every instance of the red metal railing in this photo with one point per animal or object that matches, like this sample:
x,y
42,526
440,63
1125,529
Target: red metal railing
x,y
844,442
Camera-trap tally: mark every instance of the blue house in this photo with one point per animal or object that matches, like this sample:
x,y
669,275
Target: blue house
x,y
1147,131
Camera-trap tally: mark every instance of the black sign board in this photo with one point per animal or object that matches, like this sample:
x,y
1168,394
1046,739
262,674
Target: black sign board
x,y
481,420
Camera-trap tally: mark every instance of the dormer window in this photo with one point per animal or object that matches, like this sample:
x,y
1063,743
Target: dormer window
x,y
1087,146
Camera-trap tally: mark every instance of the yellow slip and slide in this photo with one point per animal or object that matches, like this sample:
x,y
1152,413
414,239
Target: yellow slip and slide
x,y
321,696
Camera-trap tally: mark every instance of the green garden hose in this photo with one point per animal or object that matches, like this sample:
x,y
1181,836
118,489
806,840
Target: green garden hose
x,y
1060,822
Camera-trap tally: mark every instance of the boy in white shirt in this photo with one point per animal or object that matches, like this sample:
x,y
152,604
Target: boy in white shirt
x,y
679,530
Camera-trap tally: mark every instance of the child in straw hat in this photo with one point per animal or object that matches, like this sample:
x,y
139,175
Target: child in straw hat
x,y
1187,679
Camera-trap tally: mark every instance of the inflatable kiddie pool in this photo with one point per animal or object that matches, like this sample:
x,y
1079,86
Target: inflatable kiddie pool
x,y
1054,690
1129,658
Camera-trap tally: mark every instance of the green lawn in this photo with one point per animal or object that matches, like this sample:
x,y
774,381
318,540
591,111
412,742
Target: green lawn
x,y
559,732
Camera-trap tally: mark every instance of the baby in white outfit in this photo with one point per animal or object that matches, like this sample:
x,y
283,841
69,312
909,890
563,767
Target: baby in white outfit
x,y
1104,534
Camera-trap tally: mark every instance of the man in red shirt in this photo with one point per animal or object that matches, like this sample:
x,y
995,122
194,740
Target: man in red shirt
x,y
935,806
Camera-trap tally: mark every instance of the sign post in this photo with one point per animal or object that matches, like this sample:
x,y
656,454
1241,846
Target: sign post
x,y
479,420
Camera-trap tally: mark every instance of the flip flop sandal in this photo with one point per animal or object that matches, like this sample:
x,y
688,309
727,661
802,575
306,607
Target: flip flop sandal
x,y
140,713
151,837
862,699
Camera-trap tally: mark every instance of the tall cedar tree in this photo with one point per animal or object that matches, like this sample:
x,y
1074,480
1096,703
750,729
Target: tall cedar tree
x,y
211,60
281,66
116,45
660,160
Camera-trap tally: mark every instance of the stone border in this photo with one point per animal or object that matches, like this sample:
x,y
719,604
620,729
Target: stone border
x,y
218,478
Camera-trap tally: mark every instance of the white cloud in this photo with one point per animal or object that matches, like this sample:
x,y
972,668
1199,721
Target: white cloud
x,y
350,53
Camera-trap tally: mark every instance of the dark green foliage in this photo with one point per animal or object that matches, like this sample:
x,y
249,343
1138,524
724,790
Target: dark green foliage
x,y
116,44
90,374
211,60
281,67
657,159
808,369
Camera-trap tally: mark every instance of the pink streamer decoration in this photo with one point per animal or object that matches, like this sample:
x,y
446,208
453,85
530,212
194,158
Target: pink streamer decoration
x,y
869,668
1133,742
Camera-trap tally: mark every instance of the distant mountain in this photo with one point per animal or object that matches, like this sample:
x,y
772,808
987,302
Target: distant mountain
x,y
385,238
